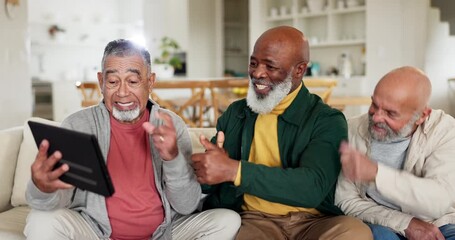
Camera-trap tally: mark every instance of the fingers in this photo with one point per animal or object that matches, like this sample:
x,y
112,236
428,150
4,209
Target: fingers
x,y
344,146
167,119
206,143
161,132
440,237
148,127
62,185
55,174
158,135
347,153
44,176
220,139
167,123
42,152
49,164
44,162
164,136
210,146
196,157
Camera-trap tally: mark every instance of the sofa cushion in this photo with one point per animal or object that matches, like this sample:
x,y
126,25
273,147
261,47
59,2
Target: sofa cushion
x,y
12,223
27,154
10,141
194,135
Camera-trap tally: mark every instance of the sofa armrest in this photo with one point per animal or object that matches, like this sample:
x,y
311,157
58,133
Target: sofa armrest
x,y
10,142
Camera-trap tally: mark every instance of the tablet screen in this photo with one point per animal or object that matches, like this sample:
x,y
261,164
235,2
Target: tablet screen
x,y
87,168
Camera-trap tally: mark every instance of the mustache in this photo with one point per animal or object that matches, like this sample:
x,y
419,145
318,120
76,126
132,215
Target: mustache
x,y
381,125
260,81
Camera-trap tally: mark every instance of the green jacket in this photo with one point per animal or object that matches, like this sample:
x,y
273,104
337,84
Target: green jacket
x,y
309,135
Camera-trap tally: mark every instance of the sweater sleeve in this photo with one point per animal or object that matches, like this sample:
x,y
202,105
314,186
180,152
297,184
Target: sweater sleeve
x,y
180,184
47,201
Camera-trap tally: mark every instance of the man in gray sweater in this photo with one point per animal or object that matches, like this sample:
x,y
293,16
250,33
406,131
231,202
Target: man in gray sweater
x,y
147,151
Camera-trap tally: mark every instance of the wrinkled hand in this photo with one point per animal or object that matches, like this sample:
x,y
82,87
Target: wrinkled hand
x,y
164,137
420,230
357,166
214,166
44,178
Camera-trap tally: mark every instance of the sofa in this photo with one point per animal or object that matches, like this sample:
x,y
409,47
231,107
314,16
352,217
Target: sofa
x,y
17,152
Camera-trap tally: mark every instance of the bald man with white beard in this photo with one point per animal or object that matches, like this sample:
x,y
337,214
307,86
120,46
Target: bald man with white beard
x,y
398,168
275,158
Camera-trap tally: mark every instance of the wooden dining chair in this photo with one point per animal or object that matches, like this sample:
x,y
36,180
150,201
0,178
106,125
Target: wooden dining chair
x,y
191,109
91,93
223,93
323,87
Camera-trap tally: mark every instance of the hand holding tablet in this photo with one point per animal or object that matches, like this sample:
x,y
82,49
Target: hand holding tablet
x,y
81,152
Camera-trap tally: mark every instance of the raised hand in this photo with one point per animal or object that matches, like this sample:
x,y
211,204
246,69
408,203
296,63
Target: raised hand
x,y
164,137
214,166
44,178
356,165
420,230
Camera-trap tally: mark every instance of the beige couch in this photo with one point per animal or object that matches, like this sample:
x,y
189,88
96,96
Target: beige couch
x,y
17,152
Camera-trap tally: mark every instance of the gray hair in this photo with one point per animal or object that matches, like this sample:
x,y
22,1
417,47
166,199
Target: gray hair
x,y
123,48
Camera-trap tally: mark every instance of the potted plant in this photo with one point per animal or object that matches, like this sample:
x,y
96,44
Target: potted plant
x,y
166,63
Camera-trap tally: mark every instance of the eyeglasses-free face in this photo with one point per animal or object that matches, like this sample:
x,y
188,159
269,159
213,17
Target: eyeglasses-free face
x,y
125,84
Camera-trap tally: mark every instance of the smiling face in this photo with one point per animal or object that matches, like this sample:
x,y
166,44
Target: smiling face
x,y
276,67
389,122
399,104
125,86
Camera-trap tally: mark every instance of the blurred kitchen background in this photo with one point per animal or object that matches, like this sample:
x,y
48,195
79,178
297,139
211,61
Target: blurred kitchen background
x,y
48,46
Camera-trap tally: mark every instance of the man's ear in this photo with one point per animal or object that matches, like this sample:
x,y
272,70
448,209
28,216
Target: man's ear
x,y
100,80
300,71
425,113
151,80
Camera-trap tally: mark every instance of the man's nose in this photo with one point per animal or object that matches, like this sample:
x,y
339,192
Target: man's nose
x,y
258,72
123,89
378,116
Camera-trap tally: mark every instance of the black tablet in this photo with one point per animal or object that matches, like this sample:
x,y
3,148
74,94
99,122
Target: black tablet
x,y
87,168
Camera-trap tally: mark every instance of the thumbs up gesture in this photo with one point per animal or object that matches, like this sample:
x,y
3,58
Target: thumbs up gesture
x,y
214,166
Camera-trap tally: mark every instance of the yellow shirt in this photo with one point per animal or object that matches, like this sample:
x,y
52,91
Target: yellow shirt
x,y
264,150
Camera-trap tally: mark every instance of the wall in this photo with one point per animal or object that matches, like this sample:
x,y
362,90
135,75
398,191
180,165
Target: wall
x,y
197,27
396,36
256,21
440,61
165,18
16,96
205,55
410,33
75,54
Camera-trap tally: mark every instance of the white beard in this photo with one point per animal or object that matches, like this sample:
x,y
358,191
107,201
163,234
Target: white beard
x,y
265,104
390,135
125,116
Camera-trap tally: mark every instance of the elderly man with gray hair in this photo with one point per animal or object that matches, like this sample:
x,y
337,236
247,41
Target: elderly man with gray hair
x,y
147,150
